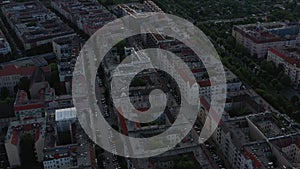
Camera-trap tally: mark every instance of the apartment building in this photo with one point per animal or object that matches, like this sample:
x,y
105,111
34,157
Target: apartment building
x,y
289,58
30,113
87,15
66,144
16,130
245,141
10,75
34,24
67,51
258,38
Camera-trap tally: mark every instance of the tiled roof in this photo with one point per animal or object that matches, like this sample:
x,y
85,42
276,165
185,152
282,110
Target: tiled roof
x,y
204,83
289,59
22,71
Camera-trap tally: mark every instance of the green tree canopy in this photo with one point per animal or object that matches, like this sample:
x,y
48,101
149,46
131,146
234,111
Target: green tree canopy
x,y
4,93
27,151
185,163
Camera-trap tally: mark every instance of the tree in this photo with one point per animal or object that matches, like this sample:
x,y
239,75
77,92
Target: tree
x,y
185,163
138,82
262,86
23,84
230,43
54,82
27,151
53,67
4,93
120,48
269,67
294,99
286,81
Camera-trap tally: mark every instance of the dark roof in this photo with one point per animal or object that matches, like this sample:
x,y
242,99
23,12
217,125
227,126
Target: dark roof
x,y
6,110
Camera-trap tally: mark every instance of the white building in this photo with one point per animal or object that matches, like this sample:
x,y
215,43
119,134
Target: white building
x,y
66,51
289,58
258,38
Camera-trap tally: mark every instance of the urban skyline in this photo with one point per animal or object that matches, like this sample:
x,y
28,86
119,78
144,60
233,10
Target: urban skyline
x,y
43,61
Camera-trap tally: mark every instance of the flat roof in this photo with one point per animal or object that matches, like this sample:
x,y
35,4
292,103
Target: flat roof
x,y
269,32
65,114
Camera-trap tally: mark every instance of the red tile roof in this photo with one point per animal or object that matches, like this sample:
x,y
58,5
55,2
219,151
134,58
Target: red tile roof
x,y
251,156
28,106
15,137
23,71
26,127
289,59
204,83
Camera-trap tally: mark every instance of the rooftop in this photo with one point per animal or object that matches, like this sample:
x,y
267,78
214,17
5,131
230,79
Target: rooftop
x,y
80,149
269,32
27,61
273,125
10,70
239,131
152,6
286,145
91,13
34,22
290,54
17,128
65,114
260,153
22,102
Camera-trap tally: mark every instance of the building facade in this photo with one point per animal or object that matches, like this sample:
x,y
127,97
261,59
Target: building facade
x,y
87,15
258,38
289,58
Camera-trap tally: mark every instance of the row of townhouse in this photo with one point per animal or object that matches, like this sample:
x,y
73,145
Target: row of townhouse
x,y
87,15
34,24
